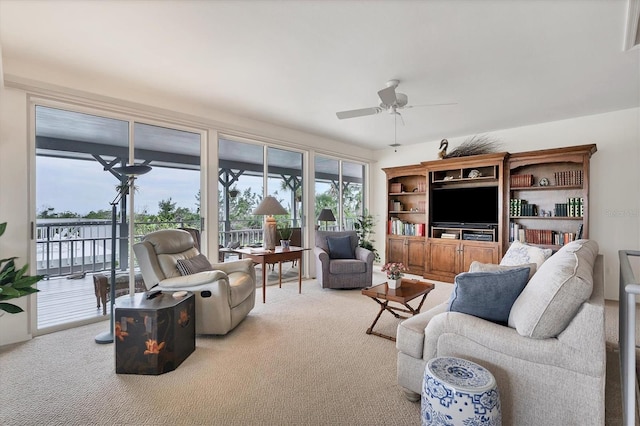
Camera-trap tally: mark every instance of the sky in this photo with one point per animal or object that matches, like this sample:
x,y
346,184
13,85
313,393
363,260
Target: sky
x,y
82,186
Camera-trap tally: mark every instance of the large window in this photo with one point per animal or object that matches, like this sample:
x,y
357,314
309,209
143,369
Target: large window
x,y
241,187
77,154
339,186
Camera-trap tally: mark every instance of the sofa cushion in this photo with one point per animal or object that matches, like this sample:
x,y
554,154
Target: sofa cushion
x,y
491,267
193,265
347,266
488,295
554,294
340,247
520,253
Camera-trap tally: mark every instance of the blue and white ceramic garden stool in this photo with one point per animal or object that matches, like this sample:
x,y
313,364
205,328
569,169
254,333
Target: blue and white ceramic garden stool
x,y
458,392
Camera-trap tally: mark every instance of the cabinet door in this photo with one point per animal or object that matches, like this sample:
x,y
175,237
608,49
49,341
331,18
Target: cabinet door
x,y
415,256
395,250
442,259
484,253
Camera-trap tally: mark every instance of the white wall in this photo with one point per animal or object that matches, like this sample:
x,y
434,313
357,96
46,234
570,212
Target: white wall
x,y
614,214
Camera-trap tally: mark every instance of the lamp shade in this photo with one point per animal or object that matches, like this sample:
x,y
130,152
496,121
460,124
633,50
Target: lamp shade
x,y
326,215
269,206
132,169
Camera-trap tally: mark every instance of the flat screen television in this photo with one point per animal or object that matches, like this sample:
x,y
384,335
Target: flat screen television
x,y
477,206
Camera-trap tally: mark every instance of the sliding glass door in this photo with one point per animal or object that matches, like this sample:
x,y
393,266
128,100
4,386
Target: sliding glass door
x,y
76,186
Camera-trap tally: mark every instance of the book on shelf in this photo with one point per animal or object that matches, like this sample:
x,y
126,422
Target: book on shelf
x,y
395,187
569,178
521,181
400,227
449,236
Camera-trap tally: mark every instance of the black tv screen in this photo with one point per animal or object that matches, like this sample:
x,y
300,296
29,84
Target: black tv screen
x,y
459,206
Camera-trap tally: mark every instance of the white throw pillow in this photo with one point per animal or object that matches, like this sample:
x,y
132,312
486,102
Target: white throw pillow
x,y
555,293
520,254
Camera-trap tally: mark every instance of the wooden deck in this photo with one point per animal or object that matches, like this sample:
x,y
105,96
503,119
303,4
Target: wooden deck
x,y
64,303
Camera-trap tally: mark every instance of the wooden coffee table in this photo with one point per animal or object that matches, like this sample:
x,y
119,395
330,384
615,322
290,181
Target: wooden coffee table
x,y
409,290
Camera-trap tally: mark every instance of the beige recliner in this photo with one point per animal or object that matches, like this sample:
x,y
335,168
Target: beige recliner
x,y
224,295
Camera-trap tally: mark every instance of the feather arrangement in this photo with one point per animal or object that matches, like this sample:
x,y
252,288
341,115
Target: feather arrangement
x,y
476,145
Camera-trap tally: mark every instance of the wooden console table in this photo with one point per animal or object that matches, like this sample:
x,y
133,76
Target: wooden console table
x,y
279,255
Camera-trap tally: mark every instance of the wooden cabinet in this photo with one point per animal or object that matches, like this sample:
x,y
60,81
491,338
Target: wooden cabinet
x,y
447,258
406,216
407,250
465,214
444,214
548,196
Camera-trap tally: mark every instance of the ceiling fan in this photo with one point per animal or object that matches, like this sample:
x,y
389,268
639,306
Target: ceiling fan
x,y
390,101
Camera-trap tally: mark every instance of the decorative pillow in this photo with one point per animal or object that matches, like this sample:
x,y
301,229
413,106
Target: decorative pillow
x,y
488,295
194,265
520,254
492,267
340,247
556,292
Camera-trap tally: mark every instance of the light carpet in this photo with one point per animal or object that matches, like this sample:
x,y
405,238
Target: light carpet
x,y
299,359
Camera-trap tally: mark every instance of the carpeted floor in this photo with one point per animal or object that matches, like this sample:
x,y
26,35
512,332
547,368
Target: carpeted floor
x,y
299,359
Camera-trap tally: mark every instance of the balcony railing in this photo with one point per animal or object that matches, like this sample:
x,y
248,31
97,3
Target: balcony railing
x,y
69,246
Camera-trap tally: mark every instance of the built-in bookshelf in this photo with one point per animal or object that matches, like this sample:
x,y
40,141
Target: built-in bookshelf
x,y
548,196
406,216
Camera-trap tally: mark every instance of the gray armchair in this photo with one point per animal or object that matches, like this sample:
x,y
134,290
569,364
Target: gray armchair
x,y
225,292
335,270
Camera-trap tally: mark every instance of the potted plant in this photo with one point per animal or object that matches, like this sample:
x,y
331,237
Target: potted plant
x,y
395,272
14,283
285,231
363,226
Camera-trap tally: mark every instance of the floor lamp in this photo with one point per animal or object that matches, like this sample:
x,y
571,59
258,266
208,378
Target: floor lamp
x,y
326,215
131,171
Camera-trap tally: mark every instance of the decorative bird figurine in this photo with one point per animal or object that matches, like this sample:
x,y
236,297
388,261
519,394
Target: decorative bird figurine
x,y
443,148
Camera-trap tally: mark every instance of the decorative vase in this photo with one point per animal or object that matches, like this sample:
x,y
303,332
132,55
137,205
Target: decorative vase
x,y
394,283
285,244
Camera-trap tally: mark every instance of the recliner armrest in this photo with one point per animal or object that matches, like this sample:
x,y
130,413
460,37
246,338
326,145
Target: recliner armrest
x,y
243,265
194,280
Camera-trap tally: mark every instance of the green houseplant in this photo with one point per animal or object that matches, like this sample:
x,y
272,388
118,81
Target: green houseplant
x,y
364,225
285,231
13,282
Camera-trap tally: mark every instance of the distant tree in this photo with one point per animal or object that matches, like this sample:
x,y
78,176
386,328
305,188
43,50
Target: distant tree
x,y
100,214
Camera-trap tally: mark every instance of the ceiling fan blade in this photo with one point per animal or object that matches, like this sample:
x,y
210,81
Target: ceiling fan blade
x,y
388,95
358,112
428,105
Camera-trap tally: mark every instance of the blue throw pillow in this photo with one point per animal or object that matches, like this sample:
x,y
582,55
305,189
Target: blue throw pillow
x,y
488,295
340,247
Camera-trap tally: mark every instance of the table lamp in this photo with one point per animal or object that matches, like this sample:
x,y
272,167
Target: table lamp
x,y
326,215
269,207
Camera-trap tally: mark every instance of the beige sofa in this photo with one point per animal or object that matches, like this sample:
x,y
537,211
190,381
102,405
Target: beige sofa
x,y
225,292
549,362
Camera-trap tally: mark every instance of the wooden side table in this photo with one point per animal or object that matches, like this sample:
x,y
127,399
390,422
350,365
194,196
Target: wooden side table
x,y
154,336
408,290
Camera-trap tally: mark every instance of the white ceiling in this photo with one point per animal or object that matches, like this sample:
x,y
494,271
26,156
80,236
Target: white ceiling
x,y
296,63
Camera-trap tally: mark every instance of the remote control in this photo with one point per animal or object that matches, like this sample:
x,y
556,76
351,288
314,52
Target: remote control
x,y
152,294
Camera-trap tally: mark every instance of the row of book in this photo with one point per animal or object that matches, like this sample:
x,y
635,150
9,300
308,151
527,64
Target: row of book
x,y
520,207
542,236
569,178
399,227
574,207
521,181
397,187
